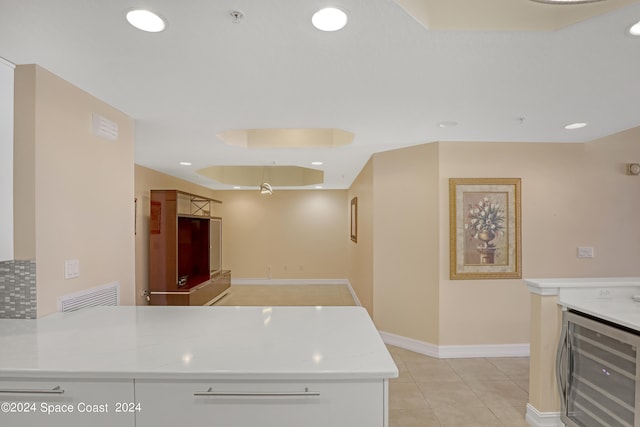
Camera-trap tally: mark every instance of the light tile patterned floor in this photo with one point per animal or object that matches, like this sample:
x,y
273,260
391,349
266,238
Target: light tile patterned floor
x,y
483,392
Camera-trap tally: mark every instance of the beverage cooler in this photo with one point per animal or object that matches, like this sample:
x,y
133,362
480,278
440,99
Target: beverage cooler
x,y
597,372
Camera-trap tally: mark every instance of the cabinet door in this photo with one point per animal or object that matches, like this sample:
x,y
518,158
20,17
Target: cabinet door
x,y
264,404
51,402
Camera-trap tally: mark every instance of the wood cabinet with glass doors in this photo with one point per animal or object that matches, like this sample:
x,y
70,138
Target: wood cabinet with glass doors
x,y
185,250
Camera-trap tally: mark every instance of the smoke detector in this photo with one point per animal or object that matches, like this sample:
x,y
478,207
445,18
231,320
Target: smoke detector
x,y
236,16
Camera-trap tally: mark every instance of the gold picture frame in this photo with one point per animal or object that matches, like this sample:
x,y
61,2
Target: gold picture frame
x,y
354,220
484,228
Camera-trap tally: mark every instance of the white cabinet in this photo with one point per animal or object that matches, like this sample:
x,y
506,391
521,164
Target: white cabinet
x,y
81,403
261,403
199,366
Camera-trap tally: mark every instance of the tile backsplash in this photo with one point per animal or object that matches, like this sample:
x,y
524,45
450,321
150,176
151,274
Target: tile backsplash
x,y
18,289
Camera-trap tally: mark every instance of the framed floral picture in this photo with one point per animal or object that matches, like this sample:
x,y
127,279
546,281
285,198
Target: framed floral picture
x,y
484,222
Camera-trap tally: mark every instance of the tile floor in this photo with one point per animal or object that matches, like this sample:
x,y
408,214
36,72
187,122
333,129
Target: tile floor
x,y
295,295
482,392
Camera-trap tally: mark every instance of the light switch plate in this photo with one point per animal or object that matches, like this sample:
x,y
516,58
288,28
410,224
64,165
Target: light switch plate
x,y
71,268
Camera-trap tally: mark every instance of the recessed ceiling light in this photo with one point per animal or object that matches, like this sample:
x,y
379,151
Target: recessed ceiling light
x,y
329,19
185,163
146,21
318,187
635,29
236,187
317,163
573,126
447,124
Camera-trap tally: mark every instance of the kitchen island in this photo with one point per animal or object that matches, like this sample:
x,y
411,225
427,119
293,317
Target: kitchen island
x,y
190,366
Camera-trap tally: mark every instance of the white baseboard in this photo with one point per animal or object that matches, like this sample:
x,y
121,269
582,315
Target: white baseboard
x,y
536,418
353,294
410,344
456,351
267,281
487,350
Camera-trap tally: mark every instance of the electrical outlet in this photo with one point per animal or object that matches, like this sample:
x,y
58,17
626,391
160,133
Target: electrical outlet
x,y
585,252
604,293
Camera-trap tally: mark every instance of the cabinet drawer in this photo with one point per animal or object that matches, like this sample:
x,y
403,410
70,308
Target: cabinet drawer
x,y
52,402
267,404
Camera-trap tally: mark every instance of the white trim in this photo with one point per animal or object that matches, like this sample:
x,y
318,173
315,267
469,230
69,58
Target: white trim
x,y
7,167
547,287
455,351
410,344
536,418
488,350
353,294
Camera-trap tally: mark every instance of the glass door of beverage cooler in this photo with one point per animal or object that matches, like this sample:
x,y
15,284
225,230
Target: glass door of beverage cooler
x,y
597,373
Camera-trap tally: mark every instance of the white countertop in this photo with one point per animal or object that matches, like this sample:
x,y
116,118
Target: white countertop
x,y
613,304
553,286
607,298
197,343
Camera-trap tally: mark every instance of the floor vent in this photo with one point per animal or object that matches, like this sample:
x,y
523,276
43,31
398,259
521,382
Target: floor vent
x,y
108,294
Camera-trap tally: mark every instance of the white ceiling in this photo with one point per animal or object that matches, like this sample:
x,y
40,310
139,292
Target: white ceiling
x,y
386,77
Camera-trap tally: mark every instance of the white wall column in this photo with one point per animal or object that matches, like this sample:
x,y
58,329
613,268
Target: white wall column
x,y
6,160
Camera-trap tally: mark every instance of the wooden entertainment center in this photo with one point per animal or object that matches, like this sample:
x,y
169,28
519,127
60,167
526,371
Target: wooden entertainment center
x,y
185,250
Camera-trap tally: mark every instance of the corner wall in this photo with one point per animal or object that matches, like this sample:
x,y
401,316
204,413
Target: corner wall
x,y
361,252
406,238
572,195
73,190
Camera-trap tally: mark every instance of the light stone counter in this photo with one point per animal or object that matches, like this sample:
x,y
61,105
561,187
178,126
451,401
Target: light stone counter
x,y
187,366
197,342
606,298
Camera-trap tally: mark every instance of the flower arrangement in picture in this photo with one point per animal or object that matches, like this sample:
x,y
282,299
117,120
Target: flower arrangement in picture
x,y
485,220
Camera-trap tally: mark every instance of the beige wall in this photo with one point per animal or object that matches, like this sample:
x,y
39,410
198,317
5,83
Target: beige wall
x,y
287,235
74,191
572,195
406,232
24,159
361,252
497,311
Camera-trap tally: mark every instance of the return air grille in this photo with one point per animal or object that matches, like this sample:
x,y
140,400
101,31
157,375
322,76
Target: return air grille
x,y
108,294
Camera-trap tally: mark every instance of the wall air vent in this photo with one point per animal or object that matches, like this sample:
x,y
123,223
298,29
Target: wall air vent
x,y
108,294
103,127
